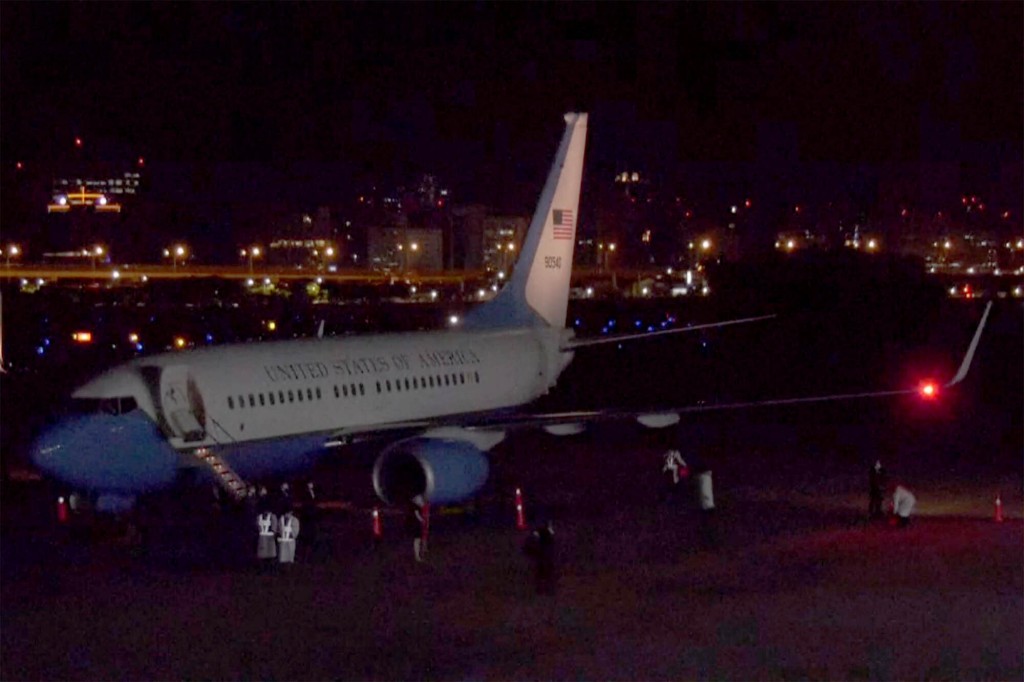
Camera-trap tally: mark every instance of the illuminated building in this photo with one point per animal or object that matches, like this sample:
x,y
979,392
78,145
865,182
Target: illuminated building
x,y
402,249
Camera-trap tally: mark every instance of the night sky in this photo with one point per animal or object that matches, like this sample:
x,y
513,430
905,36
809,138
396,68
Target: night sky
x,y
305,102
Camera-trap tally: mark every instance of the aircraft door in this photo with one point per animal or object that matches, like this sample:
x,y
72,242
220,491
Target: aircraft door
x,y
182,404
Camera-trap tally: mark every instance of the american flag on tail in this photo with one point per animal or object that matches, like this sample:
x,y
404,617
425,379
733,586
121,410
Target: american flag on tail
x,y
563,223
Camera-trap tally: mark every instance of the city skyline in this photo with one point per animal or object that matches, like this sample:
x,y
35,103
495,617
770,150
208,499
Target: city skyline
x,y
229,104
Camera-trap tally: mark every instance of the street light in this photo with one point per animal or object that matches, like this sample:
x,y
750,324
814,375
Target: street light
x,y
96,253
12,251
251,253
176,252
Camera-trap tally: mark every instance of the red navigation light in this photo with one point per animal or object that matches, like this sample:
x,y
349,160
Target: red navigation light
x,y
929,390
142,162
78,142
20,165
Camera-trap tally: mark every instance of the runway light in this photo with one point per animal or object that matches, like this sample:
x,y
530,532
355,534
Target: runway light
x,y
929,390
179,342
271,325
133,338
82,337
453,320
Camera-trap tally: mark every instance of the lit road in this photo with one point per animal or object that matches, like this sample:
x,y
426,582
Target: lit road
x,y
144,272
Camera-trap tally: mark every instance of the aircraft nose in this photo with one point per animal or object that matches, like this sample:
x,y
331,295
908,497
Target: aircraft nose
x,y
52,448
106,452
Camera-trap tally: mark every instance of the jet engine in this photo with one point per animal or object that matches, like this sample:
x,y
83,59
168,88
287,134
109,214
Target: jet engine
x,y
444,471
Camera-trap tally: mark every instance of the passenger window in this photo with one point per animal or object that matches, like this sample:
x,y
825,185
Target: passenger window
x,y
231,403
344,390
280,397
462,378
446,380
476,375
262,403
378,387
388,384
430,380
362,390
241,401
299,394
270,397
291,396
252,400
337,394
309,393
407,384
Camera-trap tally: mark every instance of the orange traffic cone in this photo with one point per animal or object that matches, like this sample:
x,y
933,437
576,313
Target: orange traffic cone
x,y
999,509
62,510
378,531
520,513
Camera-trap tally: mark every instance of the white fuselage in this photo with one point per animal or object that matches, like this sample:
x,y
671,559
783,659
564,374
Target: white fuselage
x,y
249,392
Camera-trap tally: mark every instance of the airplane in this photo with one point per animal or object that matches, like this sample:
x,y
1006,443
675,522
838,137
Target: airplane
x,y
438,400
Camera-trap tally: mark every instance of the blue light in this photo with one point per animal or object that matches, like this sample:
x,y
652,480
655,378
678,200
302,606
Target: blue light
x,y
604,330
209,338
650,329
46,341
40,350
577,322
138,347
638,323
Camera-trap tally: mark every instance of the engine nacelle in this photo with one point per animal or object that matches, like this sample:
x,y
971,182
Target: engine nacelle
x,y
444,471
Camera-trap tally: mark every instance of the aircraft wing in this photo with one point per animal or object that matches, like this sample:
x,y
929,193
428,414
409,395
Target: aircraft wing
x,y
573,344
653,417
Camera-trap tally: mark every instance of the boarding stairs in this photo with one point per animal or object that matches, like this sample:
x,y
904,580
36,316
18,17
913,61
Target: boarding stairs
x,y
226,476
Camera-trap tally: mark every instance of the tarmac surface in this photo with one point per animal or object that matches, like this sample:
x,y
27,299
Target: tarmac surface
x,y
785,580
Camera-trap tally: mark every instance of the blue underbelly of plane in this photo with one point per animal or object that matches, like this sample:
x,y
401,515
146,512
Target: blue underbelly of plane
x,y
272,458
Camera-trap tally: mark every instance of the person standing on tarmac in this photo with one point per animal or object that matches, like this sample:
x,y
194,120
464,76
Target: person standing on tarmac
x,y
417,525
284,499
311,519
903,502
266,546
287,534
876,490
540,548
705,490
675,467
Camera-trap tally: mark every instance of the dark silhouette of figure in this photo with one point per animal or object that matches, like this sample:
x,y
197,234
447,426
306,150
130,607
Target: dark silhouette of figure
x,y
876,490
540,547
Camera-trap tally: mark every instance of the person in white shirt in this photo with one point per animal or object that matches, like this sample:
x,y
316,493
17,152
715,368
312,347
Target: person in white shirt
x,y
903,502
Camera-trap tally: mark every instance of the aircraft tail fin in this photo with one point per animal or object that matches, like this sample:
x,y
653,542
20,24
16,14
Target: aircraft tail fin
x,y
537,293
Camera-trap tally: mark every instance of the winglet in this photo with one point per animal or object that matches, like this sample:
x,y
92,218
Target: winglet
x,y
969,357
